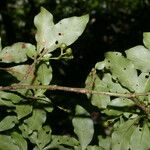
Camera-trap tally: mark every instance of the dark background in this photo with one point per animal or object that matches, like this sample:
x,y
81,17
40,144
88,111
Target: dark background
x,y
115,25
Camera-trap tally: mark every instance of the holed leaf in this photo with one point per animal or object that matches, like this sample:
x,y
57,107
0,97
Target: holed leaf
x,y
17,52
122,135
51,36
37,119
41,138
144,81
140,138
122,70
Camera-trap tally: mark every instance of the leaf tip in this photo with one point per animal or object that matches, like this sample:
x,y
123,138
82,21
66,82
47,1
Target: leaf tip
x,y
86,17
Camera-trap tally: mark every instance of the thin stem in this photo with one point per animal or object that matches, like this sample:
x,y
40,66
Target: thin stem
x,y
72,89
132,96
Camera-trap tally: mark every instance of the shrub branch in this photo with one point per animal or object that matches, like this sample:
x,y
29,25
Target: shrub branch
x,y
132,96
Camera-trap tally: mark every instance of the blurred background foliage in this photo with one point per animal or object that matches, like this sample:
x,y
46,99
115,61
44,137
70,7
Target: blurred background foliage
x,y
115,25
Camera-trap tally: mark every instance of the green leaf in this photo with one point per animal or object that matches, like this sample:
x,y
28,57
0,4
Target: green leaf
x,y
140,138
7,143
8,122
146,39
33,125
58,147
42,137
144,80
17,53
121,102
84,129
122,70
80,129
81,111
101,101
18,71
100,65
8,96
112,112
44,101
44,74
0,44
106,84
140,57
51,36
23,73
64,140
122,135
25,129
7,103
19,141
104,142
37,119
94,148
23,110
112,84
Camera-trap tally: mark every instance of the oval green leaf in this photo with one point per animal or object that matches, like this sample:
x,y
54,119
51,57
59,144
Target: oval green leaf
x,y
84,129
51,36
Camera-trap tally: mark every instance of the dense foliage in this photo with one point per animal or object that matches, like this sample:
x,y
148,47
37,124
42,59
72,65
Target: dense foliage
x,y
115,115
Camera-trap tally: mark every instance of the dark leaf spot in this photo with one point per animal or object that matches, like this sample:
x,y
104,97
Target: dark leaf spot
x,y
124,68
47,132
146,76
56,42
23,45
59,34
